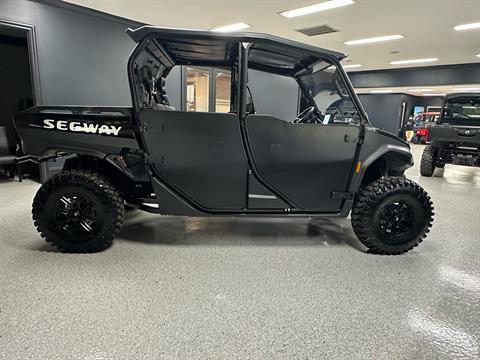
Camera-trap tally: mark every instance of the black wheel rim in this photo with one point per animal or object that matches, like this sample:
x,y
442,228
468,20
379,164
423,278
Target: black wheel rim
x,y
396,221
76,217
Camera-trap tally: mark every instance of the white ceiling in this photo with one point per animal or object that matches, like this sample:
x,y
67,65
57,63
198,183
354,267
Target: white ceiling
x,y
427,24
421,90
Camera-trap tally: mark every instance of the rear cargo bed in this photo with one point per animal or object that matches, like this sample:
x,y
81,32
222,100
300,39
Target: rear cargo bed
x,y
44,130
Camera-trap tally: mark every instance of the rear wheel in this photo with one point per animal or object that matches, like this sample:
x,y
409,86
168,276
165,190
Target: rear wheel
x,y
78,211
392,215
427,164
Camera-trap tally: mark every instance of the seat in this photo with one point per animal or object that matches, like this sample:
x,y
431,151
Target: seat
x,y
155,92
162,95
8,159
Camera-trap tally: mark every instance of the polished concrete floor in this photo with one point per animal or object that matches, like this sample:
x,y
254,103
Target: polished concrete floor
x,y
188,288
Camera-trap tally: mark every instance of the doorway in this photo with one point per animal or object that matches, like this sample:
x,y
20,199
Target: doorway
x,y
16,88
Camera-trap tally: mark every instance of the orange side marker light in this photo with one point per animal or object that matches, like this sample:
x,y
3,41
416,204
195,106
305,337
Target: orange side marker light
x,y
358,167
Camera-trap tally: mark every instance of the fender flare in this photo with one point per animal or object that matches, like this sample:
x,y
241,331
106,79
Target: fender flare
x,y
111,159
383,150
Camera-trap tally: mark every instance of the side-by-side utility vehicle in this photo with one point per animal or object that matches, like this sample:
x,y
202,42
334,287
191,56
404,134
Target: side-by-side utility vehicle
x,y
325,161
455,138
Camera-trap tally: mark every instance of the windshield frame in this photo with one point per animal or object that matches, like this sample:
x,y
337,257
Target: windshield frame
x,y
363,118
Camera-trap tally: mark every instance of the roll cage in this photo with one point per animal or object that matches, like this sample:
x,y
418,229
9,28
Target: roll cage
x,y
158,50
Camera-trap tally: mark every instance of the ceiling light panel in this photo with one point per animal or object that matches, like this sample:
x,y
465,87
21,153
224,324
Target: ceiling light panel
x,y
374,40
231,27
466,89
471,26
433,94
381,91
419,90
316,8
352,66
413,61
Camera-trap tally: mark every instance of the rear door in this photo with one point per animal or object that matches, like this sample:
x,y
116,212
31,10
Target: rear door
x,y
198,154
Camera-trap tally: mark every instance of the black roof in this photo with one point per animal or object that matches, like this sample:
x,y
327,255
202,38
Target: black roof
x,y
456,95
196,46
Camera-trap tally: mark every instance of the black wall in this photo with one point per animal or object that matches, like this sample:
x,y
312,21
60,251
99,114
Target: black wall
x,y
385,110
82,57
420,76
275,95
15,82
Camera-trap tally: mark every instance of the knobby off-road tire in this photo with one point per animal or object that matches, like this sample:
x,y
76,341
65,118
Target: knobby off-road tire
x,y
427,164
392,215
78,211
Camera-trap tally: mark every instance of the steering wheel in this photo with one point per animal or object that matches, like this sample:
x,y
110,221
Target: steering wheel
x,y
304,115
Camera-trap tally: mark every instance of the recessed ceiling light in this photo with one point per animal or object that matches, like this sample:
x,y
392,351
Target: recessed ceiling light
x,y
478,55
433,94
381,91
466,89
419,90
231,27
351,66
413,61
374,39
316,8
475,25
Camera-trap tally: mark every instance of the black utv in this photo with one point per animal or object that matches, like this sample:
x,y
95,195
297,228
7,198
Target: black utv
x,y
326,161
455,138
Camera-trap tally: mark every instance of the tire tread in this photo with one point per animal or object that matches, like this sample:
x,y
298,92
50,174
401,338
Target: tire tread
x,y
101,187
369,197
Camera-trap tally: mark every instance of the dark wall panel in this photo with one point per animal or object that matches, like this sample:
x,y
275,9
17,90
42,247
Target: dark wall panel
x,y
432,75
274,95
384,110
14,81
174,87
82,58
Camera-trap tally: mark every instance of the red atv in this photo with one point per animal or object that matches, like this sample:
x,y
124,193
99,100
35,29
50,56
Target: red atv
x,y
422,125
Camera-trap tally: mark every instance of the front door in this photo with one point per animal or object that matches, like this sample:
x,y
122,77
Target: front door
x,y
305,163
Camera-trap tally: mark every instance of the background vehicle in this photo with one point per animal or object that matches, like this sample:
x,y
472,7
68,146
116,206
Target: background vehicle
x,y
326,161
456,137
421,126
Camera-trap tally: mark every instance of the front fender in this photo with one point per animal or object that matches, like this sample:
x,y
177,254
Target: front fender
x,y
397,157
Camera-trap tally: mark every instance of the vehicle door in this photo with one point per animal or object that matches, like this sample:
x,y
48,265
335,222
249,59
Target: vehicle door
x,y
199,154
309,164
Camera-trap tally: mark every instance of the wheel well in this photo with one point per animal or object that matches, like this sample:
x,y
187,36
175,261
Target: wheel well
x,y
389,164
129,189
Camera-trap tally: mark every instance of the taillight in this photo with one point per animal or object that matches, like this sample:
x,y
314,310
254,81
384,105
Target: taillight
x,y
422,132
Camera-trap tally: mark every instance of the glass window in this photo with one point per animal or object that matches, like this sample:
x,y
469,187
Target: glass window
x,y
324,86
223,79
198,83
465,109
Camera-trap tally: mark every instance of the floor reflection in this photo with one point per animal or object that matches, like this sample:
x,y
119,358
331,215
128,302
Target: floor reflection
x,y
452,342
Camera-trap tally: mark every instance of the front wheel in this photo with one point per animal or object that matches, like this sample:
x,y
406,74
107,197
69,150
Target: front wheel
x,y
427,164
78,211
392,215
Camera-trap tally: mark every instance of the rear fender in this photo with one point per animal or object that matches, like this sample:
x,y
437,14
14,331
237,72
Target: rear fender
x,y
125,170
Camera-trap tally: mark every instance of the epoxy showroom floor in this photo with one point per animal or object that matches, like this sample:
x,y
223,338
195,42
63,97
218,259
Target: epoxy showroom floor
x,y
237,288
